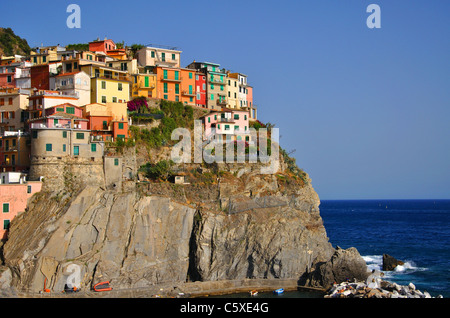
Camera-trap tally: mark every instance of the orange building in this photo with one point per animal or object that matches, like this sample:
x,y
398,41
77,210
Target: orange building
x,y
175,84
107,122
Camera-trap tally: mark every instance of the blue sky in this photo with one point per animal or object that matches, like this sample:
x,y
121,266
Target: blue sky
x,y
367,111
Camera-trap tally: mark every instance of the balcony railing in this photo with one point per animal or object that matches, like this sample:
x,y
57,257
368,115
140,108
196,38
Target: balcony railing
x,y
45,126
188,93
165,79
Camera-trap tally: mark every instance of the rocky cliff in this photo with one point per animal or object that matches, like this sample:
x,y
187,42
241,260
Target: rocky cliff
x,y
237,224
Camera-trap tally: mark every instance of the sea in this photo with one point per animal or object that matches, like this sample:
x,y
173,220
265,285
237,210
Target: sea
x,y
416,232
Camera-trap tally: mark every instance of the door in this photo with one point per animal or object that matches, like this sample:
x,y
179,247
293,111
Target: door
x,y
76,150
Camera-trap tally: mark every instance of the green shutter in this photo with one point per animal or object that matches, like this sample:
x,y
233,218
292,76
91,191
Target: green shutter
x,y
76,150
80,135
165,88
93,147
120,125
190,89
64,147
70,110
48,147
176,75
116,162
165,74
177,88
6,224
146,82
5,207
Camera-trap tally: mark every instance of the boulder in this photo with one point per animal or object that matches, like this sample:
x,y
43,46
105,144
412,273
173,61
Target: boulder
x,y
390,263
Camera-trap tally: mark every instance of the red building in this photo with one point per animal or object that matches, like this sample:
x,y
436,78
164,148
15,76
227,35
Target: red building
x,y
40,75
102,46
200,89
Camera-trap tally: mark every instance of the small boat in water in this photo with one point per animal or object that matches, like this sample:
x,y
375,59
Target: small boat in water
x,y
278,291
253,292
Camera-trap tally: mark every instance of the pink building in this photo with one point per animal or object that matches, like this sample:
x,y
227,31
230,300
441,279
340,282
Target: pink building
x,y
228,122
14,195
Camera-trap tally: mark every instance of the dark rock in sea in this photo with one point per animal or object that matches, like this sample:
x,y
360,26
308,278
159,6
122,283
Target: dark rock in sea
x,y
390,263
344,265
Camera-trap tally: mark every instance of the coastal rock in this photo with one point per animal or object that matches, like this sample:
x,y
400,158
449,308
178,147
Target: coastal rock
x,y
390,263
252,227
344,265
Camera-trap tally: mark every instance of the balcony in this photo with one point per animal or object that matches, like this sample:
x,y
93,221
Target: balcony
x,y
165,79
222,102
45,126
216,81
188,93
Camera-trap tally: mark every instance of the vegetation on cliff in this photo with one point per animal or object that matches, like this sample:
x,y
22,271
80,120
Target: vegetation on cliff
x,y
11,44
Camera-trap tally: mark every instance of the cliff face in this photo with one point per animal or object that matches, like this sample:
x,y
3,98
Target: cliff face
x,y
242,225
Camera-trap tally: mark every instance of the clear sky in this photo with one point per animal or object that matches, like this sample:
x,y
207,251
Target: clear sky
x,y
367,111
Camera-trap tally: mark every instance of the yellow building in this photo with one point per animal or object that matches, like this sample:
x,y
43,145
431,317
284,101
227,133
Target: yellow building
x,y
46,54
143,85
108,85
232,93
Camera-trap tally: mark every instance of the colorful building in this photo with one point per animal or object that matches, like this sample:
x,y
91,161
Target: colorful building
x,y
200,89
228,122
62,132
14,194
14,151
159,56
102,45
232,93
108,84
13,106
75,84
215,83
46,54
143,84
175,84
42,75
44,99
107,122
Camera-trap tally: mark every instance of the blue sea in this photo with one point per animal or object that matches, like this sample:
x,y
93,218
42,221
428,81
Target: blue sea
x,y
414,231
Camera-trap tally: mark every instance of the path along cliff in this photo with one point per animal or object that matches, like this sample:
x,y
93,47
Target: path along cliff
x,y
235,224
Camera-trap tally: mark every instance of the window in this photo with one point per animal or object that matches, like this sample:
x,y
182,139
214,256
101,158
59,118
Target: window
x,y
35,59
190,89
212,96
5,207
120,86
64,134
152,54
146,82
93,147
80,135
48,147
236,128
103,99
103,84
29,189
35,134
120,136
10,100
64,147
212,86
209,119
55,121
245,117
173,57
9,78
166,97
165,74
6,224
76,150
70,110
114,99
236,116
120,125
163,57
116,161
60,109
105,125
177,88
177,77
190,75
165,88
44,59
227,127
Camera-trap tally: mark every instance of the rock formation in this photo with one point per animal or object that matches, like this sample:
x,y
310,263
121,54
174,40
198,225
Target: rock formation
x,y
240,224
390,263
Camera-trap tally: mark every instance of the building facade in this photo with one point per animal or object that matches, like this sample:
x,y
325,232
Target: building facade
x,y
14,194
